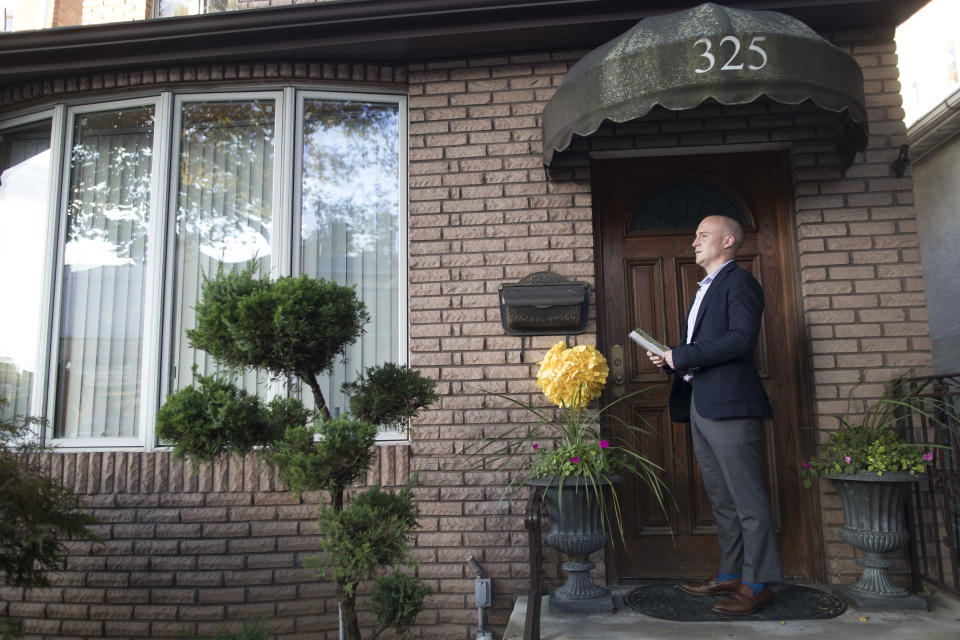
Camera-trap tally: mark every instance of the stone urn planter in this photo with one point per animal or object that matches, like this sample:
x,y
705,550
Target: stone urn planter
x,y
576,530
874,521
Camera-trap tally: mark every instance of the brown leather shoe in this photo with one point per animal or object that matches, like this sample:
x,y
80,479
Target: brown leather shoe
x,y
743,602
710,586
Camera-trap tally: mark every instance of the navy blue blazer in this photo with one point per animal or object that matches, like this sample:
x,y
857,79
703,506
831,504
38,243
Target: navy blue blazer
x,y
720,354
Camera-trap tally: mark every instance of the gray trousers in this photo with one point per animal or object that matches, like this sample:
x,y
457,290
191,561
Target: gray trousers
x,y
731,463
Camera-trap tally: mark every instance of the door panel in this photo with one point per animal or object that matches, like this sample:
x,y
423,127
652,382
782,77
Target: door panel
x,y
648,278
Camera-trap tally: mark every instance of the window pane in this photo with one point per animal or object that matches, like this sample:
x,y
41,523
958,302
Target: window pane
x,y
98,365
223,213
350,209
195,7
24,182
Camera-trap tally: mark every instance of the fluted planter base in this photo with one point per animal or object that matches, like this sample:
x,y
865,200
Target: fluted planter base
x,y
874,522
576,532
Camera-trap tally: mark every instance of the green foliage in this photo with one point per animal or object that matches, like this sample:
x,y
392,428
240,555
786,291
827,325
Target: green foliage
x,y
297,327
36,513
397,600
370,533
568,442
389,395
327,455
213,417
290,326
873,443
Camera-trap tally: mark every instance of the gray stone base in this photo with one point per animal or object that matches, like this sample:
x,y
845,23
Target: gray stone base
x,y
875,602
600,604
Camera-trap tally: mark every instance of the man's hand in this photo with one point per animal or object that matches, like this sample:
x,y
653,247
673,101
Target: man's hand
x,y
659,361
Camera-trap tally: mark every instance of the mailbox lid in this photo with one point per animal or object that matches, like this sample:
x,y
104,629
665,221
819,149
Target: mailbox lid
x,y
544,295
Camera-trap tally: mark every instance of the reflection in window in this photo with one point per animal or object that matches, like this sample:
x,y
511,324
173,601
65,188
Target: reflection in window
x,y
194,7
682,204
223,211
350,208
104,258
24,181
345,204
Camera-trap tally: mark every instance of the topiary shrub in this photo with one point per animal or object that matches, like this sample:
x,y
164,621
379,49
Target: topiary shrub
x,y
296,328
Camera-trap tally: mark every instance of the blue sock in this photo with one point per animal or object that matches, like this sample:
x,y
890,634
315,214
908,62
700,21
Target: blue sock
x,y
726,577
756,586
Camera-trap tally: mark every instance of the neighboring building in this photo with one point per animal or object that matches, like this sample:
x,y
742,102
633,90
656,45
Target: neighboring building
x,y
399,145
931,93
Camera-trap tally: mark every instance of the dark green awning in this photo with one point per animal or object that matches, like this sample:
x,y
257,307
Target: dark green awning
x,y
733,56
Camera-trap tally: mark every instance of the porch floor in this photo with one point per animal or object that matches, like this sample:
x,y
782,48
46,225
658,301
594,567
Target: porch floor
x,y
941,622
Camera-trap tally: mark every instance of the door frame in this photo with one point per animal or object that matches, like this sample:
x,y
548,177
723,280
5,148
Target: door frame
x,y
791,302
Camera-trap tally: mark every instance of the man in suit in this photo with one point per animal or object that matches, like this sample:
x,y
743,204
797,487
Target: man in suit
x,y
717,389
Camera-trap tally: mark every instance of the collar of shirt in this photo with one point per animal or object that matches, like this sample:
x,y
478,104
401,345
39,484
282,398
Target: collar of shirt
x,y
710,278
695,309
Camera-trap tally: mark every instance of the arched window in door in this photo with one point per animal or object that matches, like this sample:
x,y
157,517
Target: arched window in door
x,y
682,204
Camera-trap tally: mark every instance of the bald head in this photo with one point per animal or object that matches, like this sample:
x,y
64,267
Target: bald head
x,y
717,240
733,228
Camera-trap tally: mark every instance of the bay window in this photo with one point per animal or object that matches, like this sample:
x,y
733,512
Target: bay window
x,y
112,214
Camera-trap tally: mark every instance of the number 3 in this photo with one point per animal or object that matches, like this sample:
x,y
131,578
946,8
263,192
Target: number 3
x,y
706,54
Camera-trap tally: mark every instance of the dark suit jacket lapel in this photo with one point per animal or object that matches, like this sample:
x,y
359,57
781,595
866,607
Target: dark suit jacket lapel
x,y
711,294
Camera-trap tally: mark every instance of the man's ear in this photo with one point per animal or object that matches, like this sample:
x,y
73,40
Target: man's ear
x,y
728,241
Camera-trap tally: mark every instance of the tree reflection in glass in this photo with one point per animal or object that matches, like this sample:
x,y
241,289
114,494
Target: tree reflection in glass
x,y
350,216
224,201
102,294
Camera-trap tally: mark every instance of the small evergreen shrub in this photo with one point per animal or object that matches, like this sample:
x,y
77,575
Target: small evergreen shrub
x,y
212,417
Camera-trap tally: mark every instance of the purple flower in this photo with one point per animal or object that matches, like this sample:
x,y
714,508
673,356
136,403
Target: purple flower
x,y
805,465
928,456
604,444
535,445
574,460
847,459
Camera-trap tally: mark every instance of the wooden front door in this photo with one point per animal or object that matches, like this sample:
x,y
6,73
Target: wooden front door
x,y
646,211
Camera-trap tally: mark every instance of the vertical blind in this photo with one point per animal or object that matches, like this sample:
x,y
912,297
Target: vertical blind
x,y
350,200
223,214
222,179
102,286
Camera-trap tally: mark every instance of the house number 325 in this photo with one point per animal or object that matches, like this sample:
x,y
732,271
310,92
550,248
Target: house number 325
x,y
733,63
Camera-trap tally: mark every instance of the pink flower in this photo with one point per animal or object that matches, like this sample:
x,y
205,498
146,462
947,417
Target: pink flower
x,y
604,444
847,459
535,445
805,465
928,456
574,460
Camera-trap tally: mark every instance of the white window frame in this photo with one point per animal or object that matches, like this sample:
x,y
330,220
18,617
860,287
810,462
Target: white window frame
x,y
157,323
145,415
385,435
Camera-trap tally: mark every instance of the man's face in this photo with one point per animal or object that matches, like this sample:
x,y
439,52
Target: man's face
x,y
711,243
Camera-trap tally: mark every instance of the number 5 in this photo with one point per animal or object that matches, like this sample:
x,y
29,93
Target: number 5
x,y
763,54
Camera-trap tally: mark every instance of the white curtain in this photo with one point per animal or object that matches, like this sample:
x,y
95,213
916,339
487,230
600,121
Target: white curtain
x,y
24,179
350,210
223,214
102,294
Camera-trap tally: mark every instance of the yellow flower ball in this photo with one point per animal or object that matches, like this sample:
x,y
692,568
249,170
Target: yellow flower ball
x,y
572,377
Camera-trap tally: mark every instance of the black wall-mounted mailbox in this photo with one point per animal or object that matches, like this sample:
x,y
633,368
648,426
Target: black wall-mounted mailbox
x,y
544,303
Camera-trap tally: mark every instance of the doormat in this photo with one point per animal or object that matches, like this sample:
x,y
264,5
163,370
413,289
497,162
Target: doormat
x,y
665,600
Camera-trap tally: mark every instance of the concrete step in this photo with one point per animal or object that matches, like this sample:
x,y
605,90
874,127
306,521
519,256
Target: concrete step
x,y
941,622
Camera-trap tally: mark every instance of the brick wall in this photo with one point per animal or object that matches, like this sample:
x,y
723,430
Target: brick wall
x,y
483,212
187,551
101,11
